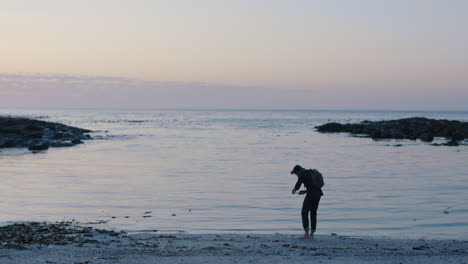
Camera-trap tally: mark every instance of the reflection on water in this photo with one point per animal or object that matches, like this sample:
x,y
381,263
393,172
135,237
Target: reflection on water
x,y
228,171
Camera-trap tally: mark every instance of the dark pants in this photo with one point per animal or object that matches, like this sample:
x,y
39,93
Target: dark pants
x,y
310,205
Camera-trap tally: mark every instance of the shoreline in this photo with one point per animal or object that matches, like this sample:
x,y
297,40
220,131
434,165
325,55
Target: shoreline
x,y
66,242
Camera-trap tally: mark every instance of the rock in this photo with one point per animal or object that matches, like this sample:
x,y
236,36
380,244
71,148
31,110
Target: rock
x,y
36,135
76,141
17,132
33,127
43,146
451,143
7,143
398,134
427,137
457,136
337,127
408,128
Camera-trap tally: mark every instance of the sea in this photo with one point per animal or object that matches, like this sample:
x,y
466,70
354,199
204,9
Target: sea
x,y
228,171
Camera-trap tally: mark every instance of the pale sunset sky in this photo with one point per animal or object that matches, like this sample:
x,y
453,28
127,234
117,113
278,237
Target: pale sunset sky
x,y
265,54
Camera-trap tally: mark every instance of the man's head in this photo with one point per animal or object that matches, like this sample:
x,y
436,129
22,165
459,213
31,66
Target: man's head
x,y
296,169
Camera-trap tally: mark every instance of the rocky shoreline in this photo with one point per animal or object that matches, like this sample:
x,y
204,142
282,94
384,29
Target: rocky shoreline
x,y
23,235
413,128
19,132
67,242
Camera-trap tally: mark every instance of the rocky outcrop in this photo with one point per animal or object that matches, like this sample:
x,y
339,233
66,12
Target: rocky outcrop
x,y
409,128
38,135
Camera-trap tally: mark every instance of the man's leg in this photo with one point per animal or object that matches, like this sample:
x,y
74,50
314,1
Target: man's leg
x,y
306,207
314,204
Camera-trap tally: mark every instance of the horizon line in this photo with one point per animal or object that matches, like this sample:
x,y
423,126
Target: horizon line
x,y
234,109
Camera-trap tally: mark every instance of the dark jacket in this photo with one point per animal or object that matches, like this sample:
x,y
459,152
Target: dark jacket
x,y
304,177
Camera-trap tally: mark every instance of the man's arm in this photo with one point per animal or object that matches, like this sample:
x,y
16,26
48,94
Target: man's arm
x,y
297,186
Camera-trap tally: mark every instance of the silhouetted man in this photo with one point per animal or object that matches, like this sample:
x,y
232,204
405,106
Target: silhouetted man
x,y
313,181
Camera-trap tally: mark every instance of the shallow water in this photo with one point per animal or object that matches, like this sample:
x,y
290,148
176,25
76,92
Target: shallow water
x,y
228,171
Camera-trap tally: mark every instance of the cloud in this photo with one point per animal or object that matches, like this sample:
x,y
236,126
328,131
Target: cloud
x,y
69,91
38,90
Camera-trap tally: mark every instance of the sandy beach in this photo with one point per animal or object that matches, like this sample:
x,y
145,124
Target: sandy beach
x,y
87,245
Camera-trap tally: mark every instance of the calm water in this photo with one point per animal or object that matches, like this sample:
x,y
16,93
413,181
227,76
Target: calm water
x,y
228,171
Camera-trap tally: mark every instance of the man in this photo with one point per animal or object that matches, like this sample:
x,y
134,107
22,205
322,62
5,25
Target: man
x,y
313,183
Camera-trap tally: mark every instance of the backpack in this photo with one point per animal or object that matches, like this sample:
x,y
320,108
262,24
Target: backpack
x,y
317,178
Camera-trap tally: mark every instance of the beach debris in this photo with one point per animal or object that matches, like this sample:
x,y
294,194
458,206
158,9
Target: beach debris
x,y
146,214
20,236
95,222
446,210
422,247
173,214
319,254
209,248
107,258
5,256
16,236
146,244
109,232
89,241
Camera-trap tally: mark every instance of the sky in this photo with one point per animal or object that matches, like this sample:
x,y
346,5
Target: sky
x,y
273,54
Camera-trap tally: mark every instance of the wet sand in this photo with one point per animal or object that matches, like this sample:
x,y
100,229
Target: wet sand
x,y
98,246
